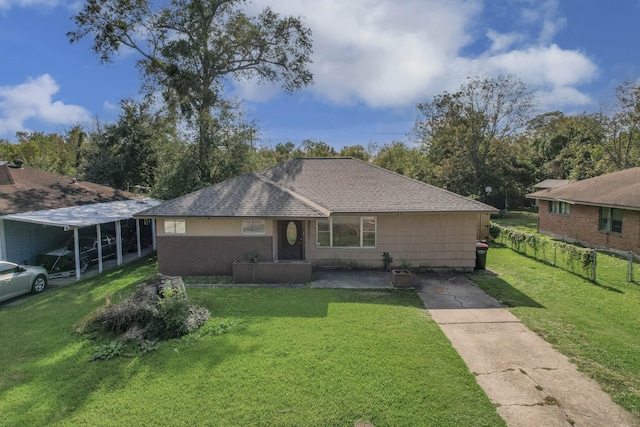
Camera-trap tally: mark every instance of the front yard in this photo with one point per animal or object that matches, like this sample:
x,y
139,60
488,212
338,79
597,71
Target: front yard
x,y
274,357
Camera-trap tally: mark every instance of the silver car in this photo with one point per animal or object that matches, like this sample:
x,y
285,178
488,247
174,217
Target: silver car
x,y
19,279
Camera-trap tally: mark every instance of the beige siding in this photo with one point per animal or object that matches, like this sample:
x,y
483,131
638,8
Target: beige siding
x,y
427,241
223,227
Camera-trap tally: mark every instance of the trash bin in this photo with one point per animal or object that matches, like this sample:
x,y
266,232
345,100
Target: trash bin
x,y
481,255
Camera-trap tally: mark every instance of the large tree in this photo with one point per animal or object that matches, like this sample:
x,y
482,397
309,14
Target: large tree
x,y
622,149
468,134
190,49
124,154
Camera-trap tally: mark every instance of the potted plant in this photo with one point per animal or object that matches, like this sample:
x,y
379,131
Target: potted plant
x,y
402,277
387,260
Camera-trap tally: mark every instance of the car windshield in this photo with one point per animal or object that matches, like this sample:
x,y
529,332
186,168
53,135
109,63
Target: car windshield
x,y
84,243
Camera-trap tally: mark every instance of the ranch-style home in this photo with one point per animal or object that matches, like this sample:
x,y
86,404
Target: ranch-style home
x,y
327,212
601,212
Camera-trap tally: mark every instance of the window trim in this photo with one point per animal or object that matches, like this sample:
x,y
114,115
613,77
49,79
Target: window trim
x,y
558,207
173,229
362,218
609,228
253,222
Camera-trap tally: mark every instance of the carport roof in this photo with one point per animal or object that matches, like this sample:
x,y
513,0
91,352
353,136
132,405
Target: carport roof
x,y
85,215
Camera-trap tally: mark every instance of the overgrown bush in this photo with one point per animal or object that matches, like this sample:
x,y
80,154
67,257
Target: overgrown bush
x,y
157,310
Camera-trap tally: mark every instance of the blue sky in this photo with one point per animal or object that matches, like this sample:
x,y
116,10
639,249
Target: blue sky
x,y
373,61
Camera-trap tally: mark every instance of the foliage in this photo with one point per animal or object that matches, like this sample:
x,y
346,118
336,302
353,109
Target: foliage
x,y
470,135
125,154
575,259
190,50
355,151
400,158
151,313
595,326
253,256
386,258
108,351
53,152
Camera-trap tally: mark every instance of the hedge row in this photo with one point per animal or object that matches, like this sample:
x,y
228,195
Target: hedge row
x,y
560,254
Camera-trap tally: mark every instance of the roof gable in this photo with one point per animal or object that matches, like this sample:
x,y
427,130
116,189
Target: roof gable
x,y
616,189
316,188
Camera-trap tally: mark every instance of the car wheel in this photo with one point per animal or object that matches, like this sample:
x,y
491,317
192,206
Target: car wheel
x,y
38,285
84,264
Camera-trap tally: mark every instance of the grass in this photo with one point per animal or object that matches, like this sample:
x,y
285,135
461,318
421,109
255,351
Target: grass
x,y
526,221
277,357
596,325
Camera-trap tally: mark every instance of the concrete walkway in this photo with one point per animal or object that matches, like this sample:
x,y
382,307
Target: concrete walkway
x,y
532,384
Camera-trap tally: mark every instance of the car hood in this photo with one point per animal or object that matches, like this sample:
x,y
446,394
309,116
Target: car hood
x,y
59,252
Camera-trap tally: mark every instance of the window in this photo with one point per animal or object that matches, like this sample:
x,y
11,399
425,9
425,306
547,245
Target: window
x,y
610,220
560,208
252,226
175,226
346,232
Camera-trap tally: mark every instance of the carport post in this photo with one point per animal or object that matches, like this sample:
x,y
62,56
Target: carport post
x,y
138,237
76,250
153,233
118,243
99,239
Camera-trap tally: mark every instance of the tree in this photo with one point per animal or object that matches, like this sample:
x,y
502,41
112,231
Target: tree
x,y
310,148
400,158
125,154
622,149
53,152
468,134
189,49
356,151
567,146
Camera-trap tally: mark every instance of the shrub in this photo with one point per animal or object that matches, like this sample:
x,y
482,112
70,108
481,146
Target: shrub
x,y
157,310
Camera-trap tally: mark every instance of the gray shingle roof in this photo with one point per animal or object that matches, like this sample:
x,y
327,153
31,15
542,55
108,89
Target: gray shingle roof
x,y
617,189
317,187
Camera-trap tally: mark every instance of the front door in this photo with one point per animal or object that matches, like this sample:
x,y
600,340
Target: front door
x,y
290,240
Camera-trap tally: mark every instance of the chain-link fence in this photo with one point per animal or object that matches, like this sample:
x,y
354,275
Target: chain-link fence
x,y
593,264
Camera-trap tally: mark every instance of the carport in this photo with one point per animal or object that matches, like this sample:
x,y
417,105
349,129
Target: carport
x,y
78,217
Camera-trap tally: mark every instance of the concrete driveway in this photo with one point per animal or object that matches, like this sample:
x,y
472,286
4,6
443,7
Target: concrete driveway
x,y
532,384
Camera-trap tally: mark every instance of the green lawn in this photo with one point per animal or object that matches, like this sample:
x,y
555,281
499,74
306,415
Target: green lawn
x,y
526,221
268,357
597,326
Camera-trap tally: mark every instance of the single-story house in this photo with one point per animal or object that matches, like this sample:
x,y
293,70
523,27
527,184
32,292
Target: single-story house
x,y
40,211
601,212
330,212
549,183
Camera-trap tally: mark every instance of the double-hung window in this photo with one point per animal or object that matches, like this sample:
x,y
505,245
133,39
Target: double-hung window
x,y
175,226
346,232
610,220
560,208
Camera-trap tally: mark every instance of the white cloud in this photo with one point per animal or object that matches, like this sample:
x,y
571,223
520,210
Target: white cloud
x,y
387,53
32,100
503,41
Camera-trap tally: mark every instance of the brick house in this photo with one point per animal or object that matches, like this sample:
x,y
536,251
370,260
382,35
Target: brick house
x,y
600,212
328,212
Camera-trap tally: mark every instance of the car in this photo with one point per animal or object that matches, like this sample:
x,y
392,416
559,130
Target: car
x,y
21,279
63,259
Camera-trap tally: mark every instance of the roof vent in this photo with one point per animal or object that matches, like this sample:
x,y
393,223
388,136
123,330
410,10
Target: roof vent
x,y
18,163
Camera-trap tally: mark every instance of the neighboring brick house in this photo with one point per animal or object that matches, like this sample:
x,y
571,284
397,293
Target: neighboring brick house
x,y
601,212
339,212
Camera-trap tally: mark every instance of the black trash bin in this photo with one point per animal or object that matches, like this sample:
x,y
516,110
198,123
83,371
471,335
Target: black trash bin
x,y
481,255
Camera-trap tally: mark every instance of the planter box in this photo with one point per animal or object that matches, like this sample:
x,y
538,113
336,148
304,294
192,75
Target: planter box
x,y
272,272
401,279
